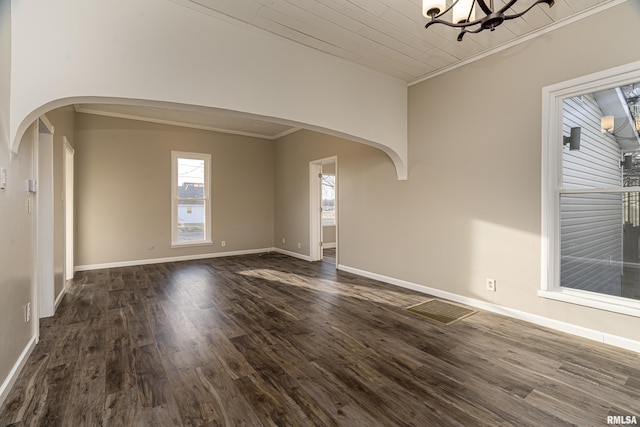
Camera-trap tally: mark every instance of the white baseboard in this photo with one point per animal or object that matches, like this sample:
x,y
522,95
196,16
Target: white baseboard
x,y
329,245
17,368
59,298
169,259
292,254
580,331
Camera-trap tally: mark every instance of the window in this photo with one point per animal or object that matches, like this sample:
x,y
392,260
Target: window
x,y
328,199
191,201
591,191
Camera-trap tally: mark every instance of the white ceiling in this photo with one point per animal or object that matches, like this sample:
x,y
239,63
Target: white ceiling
x,y
207,119
385,35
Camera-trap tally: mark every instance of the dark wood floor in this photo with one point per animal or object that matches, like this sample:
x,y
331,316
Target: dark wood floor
x,y
271,340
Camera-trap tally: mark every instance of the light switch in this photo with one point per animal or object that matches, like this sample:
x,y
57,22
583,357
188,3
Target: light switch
x,y
3,178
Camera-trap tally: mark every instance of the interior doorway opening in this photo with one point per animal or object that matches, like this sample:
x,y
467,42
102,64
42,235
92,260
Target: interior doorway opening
x,y
323,198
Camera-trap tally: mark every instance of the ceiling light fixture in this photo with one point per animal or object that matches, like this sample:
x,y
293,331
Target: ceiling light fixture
x,y
463,14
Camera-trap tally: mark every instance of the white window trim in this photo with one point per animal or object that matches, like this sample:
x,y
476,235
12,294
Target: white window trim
x,y
552,98
175,155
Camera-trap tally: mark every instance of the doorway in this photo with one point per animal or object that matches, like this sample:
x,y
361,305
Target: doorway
x,y
323,196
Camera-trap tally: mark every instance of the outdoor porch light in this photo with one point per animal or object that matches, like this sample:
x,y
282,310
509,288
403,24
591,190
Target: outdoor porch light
x,y
573,140
606,124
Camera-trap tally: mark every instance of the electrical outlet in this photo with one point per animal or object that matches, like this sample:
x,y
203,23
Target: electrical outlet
x,y
223,243
27,312
299,245
283,241
491,285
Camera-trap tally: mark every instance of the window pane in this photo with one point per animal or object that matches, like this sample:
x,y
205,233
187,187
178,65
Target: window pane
x,y
600,243
593,160
328,199
191,220
191,178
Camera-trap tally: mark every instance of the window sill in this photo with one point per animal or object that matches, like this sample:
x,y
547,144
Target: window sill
x,y
593,300
190,244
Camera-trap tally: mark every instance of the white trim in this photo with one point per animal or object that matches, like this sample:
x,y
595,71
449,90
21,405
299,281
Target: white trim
x,y
45,121
68,171
43,212
580,331
206,158
83,109
89,267
292,254
315,216
330,245
594,300
17,367
189,243
551,181
551,27
60,296
284,133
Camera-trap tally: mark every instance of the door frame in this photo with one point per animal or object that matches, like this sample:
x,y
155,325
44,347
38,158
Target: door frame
x,y
68,212
41,190
315,207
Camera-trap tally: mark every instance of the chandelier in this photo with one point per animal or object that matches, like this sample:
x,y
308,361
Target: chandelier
x,y
464,14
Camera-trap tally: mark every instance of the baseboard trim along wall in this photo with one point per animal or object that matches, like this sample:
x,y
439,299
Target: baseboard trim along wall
x,y
17,368
580,331
292,254
61,295
170,259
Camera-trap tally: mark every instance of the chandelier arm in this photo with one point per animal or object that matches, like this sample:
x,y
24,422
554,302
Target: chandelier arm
x,y
486,9
465,31
517,15
508,6
451,24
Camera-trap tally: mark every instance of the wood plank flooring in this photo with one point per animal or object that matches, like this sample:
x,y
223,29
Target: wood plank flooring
x,y
275,341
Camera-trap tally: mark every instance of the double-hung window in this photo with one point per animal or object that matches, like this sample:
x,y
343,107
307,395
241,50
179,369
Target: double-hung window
x,y
191,199
591,191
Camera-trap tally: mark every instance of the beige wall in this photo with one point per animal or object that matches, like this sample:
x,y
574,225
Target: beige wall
x,y
123,182
328,234
475,150
16,249
16,254
471,207
62,120
359,168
